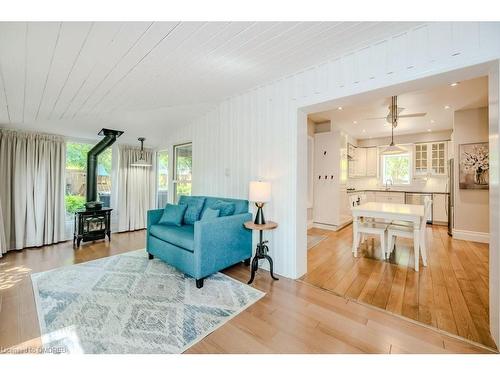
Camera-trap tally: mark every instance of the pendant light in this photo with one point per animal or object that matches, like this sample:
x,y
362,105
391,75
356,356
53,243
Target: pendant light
x,y
392,149
141,162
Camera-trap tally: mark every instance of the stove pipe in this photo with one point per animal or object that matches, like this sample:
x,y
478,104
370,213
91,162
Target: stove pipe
x,y
109,138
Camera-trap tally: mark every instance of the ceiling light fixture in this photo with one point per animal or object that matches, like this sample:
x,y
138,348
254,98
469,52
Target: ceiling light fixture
x,y
432,121
429,130
392,149
447,107
354,122
453,84
340,108
364,130
141,162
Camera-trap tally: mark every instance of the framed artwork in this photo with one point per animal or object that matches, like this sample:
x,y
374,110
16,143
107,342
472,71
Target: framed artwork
x,y
474,166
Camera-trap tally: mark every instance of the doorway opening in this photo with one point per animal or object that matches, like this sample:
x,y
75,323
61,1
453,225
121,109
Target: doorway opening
x,y
442,134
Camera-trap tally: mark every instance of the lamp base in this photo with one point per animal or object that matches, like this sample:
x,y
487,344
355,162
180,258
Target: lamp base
x,y
259,216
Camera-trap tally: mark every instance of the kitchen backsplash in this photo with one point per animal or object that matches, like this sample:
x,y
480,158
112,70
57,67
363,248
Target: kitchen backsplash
x,y
434,184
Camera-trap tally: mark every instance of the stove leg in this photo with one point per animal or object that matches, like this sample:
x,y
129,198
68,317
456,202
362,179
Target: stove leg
x,y
150,256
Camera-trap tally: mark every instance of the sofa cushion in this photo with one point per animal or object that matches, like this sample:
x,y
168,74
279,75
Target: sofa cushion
x,y
182,236
194,207
209,213
241,206
173,214
225,208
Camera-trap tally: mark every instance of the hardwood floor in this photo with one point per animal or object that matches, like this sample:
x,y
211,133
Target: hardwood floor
x,y
293,317
451,293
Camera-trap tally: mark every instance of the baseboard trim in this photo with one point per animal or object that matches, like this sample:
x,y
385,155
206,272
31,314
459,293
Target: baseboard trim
x,y
468,235
330,226
310,224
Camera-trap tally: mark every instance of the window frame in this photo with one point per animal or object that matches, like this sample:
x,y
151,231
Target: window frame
x,y
158,176
174,169
409,153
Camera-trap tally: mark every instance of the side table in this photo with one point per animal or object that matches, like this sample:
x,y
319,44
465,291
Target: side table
x,y
262,249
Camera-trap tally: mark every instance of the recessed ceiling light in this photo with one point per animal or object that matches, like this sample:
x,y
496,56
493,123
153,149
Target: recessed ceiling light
x,y
429,130
340,108
354,122
447,107
432,121
364,131
453,84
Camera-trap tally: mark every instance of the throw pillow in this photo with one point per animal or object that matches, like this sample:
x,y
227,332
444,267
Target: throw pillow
x,y
173,214
194,206
209,213
225,208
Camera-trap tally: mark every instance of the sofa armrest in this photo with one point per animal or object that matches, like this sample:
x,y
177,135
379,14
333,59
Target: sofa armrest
x,y
154,217
221,242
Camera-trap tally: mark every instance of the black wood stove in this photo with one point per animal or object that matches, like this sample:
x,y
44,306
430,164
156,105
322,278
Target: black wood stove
x,y
94,222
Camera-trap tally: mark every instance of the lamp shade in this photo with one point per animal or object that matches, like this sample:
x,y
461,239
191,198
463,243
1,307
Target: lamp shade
x,y
259,192
393,150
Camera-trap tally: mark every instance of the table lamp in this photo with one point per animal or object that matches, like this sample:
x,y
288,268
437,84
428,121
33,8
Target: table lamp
x,y
260,193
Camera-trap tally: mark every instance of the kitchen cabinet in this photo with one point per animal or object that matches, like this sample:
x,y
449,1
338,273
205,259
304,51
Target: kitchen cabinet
x,y
389,197
371,161
438,158
430,158
440,209
363,161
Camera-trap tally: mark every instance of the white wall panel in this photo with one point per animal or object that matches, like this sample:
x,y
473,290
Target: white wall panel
x,y
254,135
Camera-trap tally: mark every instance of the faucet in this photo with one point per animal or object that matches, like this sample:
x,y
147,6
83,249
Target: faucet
x,y
387,184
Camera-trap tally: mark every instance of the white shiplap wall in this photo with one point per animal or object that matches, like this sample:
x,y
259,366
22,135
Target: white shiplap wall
x,y
255,135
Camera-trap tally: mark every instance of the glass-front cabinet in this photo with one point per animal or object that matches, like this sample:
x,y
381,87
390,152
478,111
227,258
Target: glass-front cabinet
x,y
421,158
438,163
430,158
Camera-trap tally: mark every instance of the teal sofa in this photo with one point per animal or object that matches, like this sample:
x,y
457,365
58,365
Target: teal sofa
x,y
206,247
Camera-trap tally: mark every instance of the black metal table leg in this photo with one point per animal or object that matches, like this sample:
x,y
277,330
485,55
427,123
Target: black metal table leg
x,y
261,253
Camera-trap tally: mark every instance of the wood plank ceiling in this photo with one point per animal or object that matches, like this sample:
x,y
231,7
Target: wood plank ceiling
x,y
73,78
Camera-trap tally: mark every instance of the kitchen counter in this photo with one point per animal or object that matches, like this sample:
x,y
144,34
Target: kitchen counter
x,y
395,191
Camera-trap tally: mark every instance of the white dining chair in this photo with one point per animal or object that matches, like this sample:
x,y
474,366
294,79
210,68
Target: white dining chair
x,y
371,228
405,230
368,226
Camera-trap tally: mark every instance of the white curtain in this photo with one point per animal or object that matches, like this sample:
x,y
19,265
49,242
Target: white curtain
x,y
3,243
136,188
32,180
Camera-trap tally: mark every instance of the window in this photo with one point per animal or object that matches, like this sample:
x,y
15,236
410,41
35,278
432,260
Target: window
x,y
396,169
162,168
76,176
76,179
183,161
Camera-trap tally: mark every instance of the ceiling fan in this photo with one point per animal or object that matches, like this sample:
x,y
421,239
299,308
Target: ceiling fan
x,y
393,108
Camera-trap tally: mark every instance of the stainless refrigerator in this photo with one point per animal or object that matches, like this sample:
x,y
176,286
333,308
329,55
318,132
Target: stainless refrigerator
x,y
451,196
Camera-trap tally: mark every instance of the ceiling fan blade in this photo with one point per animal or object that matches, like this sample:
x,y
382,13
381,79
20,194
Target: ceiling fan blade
x,y
374,118
421,114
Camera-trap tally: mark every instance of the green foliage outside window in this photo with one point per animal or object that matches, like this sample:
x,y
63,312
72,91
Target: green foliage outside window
x,y
397,168
76,156
183,188
74,203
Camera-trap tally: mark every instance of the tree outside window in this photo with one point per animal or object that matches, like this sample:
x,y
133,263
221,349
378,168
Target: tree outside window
x,y
76,176
396,169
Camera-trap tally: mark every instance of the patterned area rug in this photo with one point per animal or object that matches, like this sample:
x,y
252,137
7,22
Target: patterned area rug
x,y
129,304
314,240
